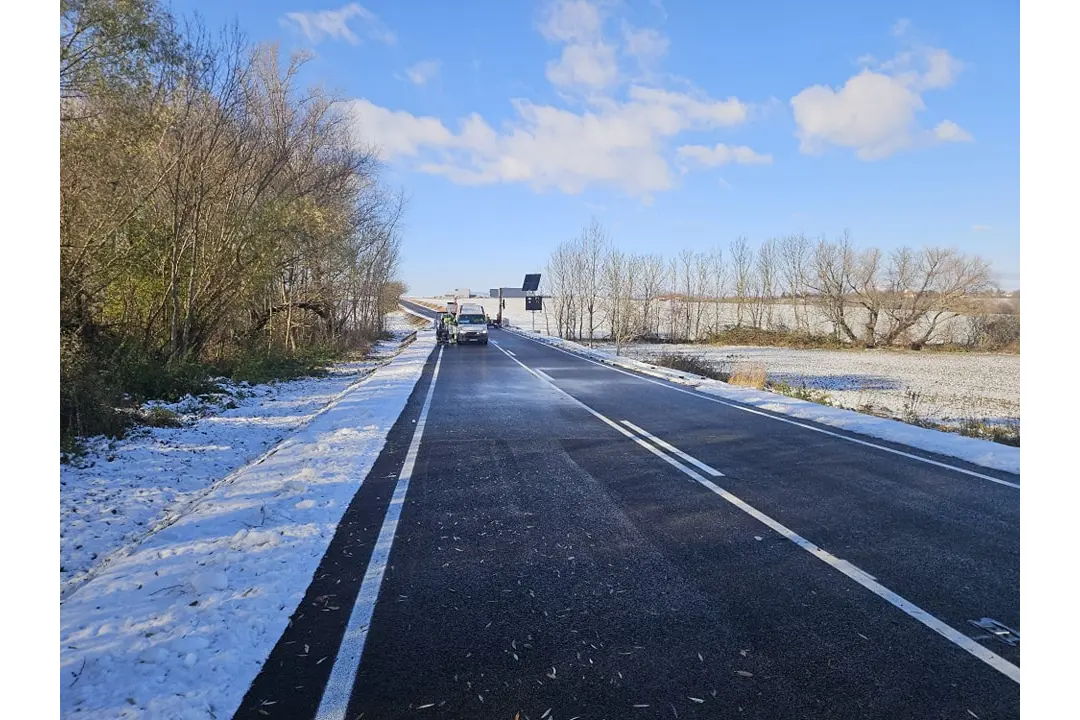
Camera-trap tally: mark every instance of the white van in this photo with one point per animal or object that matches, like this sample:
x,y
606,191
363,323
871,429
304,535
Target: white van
x,y
472,324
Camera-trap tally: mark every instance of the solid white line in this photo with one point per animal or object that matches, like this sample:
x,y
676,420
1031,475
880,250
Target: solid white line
x,y
858,575
703,396
335,698
672,449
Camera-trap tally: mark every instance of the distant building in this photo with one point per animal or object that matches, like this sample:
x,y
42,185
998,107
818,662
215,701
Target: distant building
x,y
459,292
508,292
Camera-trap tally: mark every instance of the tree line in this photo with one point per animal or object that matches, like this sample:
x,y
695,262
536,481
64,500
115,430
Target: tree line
x,y
790,284
213,213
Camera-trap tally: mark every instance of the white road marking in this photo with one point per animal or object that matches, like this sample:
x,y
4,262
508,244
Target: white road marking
x,y
672,449
335,699
858,575
703,396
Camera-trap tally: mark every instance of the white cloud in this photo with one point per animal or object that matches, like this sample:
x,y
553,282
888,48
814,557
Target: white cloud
x,y
423,71
900,27
571,21
721,154
618,133
334,24
395,132
618,144
981,228
948,131
590,66
644,43
874,112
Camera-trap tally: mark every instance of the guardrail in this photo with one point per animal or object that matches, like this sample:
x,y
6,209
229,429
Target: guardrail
x,y
408,340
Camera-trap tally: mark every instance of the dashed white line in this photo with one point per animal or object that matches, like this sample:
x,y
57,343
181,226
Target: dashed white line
x,y
848,569
335,698
672,449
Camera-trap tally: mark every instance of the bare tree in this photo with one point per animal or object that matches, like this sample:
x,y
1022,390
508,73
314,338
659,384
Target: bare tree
x,y
742,266
794,257
765,282
929,287
620,274
830,280
593,246
864,282
651,286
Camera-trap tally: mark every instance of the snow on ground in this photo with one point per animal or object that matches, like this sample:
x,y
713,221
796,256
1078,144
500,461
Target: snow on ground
x,y
121,489
980,452
944,387
178,626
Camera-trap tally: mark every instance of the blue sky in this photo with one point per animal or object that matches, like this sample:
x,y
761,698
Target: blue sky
x,y
677,124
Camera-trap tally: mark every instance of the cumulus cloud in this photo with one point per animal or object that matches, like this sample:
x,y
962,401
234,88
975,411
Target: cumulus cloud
x,y
646,44
618,143
422,72
589,66
874,112
334,24
948,131
721,154
617,131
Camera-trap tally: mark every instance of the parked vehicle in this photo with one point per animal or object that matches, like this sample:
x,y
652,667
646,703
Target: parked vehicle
x,y
472,325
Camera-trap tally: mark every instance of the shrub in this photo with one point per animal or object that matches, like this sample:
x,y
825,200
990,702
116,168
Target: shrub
x,y
994,332
695,364
161,417
802,392
748,375
774,338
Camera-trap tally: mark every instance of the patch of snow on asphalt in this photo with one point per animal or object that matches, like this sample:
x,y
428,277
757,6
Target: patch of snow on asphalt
x,y
980,452
178,626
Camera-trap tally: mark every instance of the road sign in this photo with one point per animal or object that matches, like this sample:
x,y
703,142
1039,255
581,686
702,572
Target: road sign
x,y
534,302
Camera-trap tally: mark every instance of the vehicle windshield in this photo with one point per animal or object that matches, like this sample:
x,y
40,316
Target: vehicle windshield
x,y
472,320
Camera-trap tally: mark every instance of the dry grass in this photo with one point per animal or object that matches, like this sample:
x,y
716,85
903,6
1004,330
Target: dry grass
x,y
750,375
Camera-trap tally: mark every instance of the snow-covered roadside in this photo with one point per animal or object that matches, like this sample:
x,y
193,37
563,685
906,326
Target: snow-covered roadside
x,y
121,489
980,452
179,627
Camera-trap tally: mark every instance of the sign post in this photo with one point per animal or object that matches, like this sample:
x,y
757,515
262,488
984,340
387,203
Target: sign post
x,y
533,302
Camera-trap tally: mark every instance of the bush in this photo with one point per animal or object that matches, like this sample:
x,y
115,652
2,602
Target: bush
x,y
161,417
88,395
695,364
994,332
774,338
265,367
802,392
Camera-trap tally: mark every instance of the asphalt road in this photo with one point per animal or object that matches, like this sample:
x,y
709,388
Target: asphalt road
x,y
552,561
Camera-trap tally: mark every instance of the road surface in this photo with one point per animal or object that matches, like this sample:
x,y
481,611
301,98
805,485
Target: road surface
x,y
546,537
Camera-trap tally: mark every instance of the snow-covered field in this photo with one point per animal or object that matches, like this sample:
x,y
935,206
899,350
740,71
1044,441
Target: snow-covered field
x,y
943,387
212,532
980,452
